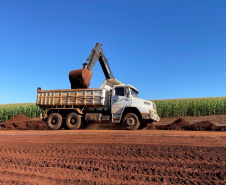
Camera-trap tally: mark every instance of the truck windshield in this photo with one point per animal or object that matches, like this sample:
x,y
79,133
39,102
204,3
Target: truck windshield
x,y
134,93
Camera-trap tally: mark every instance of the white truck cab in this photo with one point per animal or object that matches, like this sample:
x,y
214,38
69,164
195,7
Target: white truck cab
x,y
125,100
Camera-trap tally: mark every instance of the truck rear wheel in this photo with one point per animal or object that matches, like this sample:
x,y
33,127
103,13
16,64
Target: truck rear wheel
x,y
73,121
54,121
131,121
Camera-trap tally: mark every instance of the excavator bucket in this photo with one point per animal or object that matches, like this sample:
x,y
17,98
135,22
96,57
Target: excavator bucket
x,y
80,78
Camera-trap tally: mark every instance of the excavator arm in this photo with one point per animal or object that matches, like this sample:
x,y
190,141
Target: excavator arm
x,y
98,54
81,78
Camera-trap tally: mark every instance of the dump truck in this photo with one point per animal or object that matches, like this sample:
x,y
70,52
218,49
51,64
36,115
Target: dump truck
x,y
113,101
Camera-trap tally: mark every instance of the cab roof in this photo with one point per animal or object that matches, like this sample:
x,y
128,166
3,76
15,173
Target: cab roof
x,y
132,87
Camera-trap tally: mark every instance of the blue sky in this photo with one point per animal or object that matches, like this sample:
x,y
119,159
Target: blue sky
x,y
166,49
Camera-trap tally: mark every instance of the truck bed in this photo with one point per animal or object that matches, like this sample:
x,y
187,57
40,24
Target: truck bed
x,y
72,98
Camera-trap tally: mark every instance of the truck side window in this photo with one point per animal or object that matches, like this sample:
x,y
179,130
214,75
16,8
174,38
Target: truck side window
x,y
119,91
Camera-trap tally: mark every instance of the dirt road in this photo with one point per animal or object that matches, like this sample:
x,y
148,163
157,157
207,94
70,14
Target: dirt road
x,y
112,157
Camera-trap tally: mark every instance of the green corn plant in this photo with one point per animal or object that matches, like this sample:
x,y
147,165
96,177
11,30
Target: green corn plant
x,y
8,111
191,107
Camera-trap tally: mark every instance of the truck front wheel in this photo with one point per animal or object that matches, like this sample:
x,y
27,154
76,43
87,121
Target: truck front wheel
x,y
54,121
73,121
131,121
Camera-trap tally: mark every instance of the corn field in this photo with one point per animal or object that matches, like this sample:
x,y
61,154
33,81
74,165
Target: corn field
x,y
165,108
7,111
191,107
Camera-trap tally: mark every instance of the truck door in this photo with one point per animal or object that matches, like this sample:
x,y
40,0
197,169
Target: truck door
x,y
119,101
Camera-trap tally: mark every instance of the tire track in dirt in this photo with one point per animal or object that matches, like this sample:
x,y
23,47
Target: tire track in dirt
x,y
30,163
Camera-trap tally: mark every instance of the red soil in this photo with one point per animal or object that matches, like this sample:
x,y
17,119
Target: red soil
x,y
112,157
21,122
182,124
204,126
179,124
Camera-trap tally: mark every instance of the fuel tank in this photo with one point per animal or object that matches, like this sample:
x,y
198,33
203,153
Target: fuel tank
x,y
80,78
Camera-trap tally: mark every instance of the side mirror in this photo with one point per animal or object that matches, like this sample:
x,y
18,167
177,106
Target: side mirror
x,y
127,94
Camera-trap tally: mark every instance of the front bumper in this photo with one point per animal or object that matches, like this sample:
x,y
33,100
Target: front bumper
x,y
154,117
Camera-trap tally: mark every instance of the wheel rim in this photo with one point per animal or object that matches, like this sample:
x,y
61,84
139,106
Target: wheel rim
x,y
54,121
73,121
130,121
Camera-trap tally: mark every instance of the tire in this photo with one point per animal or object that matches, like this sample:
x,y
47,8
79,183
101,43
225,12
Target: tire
x,y
73,121
54,121
145,123
131,121
83,124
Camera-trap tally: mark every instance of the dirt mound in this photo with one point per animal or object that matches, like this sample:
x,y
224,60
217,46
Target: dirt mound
x,y
179,124
21,122
182,124
19,117
205,126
